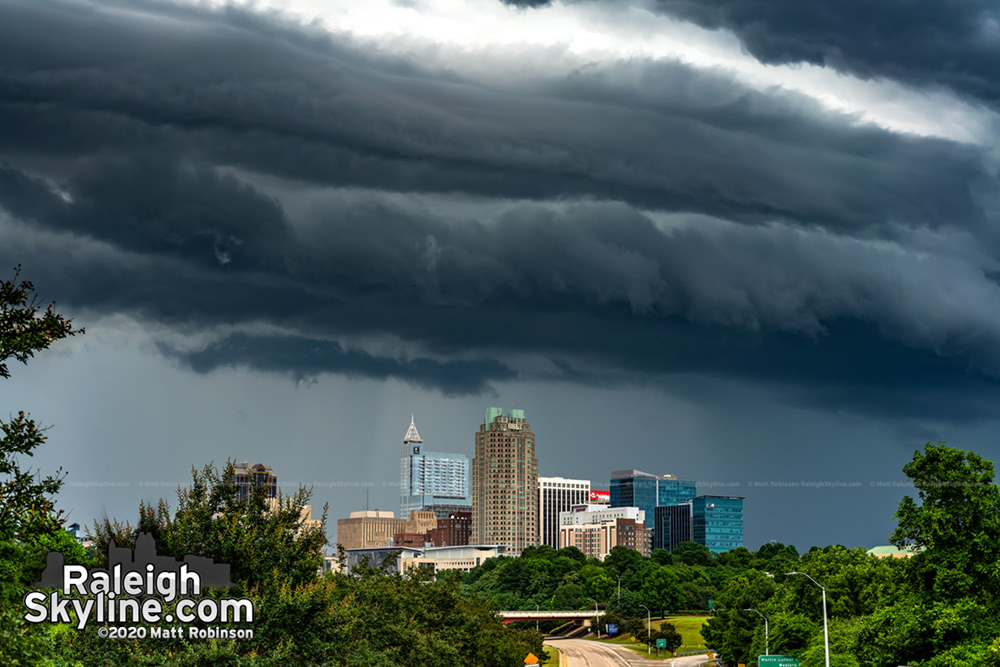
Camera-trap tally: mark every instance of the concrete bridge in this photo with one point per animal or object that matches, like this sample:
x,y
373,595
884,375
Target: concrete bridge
x,y
542,615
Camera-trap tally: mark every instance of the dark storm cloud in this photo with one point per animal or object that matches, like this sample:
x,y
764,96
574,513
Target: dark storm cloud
x,y
239,89
930,43
933,43
597,285
153,204
306,358
120,132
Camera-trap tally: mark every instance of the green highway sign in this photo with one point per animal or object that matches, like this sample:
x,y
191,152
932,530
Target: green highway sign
x,y
661,643
777,661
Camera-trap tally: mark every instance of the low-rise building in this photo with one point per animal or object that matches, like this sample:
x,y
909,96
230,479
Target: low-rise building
x,y
597,529
370,529
454,531
436,559
893,552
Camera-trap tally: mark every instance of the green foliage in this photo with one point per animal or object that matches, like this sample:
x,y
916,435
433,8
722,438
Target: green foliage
x,y
668,632
265,542
956,524
629,605
692,553
662,557
634,626
30,525
568,596
26,508
661,591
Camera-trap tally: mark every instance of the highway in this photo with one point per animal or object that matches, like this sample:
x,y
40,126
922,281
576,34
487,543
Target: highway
x,y
586,653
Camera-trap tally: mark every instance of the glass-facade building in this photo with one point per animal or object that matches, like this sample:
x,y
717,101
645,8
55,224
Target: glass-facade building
x,y
672,525
634,488
717,522
431,480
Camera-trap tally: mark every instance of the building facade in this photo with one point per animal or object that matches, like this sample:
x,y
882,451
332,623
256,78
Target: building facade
x,y
671,526
634,488
455,531
505,482
596,530
431,480
555,495
372,529
717,522
436,559
249,475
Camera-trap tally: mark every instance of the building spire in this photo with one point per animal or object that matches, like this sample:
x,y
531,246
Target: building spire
x,y
411,433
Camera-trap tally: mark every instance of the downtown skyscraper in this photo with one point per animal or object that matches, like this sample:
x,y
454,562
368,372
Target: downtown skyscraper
x,y
505,482
430,480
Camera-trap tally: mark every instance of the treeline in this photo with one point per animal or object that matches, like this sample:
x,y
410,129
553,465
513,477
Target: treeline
x,y
367,618
938,608
564,579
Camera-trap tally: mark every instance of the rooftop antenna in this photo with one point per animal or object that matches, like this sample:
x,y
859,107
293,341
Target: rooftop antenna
x,y
366,500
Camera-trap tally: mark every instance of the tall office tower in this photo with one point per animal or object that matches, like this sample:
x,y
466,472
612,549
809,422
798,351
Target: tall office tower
x,y
717,522
248,475
672,525
557,494
430,480
505,482
633,488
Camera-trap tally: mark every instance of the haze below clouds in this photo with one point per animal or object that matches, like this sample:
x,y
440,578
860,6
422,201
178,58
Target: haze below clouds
x,y
683,241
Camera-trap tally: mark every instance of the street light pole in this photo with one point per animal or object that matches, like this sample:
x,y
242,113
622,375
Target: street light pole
x,y
595,617
826,629
536,618
647,620
619,587
766,651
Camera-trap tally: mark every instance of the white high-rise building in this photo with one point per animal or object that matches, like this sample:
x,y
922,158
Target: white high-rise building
x,y
555,495
431,480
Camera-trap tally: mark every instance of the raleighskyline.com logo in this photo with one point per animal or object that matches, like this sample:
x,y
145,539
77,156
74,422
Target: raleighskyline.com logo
x,y
137,590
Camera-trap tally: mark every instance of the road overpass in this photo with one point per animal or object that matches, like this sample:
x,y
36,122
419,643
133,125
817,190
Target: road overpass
x,y
543,615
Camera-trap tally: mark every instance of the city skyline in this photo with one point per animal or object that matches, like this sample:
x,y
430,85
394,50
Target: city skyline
x,y
752,249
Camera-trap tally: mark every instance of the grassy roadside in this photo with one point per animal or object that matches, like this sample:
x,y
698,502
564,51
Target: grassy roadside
x,y
689,628
554,659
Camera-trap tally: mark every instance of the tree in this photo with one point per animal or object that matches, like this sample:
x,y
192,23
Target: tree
x,y
265,544
634,626
628,605
956,526
26,506
669,633
661,592
568,596
692,553
29,523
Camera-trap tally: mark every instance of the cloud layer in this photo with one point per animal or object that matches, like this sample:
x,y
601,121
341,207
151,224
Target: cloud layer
x,y
293,199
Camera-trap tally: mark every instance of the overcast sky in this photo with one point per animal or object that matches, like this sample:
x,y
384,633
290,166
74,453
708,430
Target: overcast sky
x,y
754,244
